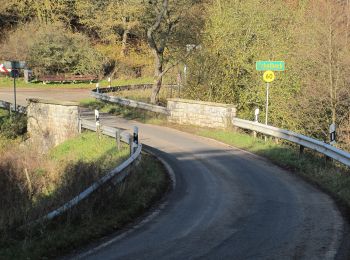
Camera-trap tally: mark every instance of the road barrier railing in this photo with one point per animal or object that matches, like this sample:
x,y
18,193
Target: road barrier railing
x,y
102,94
302,140
130,103
115,176
9,106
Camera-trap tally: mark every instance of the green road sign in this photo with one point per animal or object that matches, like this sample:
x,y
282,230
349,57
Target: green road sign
x,y
270,65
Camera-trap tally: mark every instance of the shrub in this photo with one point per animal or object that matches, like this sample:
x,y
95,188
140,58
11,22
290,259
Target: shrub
x,y
57,50
13,126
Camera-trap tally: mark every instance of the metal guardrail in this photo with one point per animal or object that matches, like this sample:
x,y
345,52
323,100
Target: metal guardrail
x,y
117,175
10,106
127,102
321,147
106,130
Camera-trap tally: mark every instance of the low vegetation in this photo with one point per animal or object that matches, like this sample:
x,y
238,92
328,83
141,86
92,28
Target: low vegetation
x,y
33,184
102,214
12,125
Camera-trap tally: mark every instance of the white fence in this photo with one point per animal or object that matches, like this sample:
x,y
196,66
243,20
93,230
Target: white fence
x,y
321,147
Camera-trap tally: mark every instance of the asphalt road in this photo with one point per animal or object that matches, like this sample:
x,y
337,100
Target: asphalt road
x,y
48,93
226,204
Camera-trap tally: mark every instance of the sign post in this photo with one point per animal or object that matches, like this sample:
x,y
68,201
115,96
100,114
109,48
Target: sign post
x,y
14,89
269,67
268,77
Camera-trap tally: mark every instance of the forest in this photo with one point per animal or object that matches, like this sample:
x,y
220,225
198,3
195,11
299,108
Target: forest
x,y
210,47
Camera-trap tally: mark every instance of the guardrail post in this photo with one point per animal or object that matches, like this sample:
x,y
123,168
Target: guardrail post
x,y
131,144
301,150
135,138
117,136
79,126
256,119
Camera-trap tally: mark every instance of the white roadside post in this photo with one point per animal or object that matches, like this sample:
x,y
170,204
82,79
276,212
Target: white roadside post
x,y
97,87
97,121
109,82
256,119
332,134
256,113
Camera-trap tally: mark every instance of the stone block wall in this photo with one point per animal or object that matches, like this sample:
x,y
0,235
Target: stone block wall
x,y
205,114
51,122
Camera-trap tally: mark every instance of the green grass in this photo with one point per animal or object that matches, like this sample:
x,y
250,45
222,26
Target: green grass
x,y
20,83
89,147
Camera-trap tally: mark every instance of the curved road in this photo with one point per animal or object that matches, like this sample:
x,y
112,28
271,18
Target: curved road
x,y
226,204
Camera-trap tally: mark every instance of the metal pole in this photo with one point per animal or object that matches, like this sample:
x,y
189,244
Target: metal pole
x,y
267,102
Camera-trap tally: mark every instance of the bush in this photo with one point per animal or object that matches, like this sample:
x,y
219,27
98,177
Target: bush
x,y
57,50
13,126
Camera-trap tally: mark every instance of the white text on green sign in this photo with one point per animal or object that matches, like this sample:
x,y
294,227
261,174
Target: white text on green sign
x,y
270,65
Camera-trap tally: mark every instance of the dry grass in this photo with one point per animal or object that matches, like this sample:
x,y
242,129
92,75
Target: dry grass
x,y
33,184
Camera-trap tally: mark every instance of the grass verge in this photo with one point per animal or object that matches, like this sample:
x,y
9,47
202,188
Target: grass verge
x,y
33,184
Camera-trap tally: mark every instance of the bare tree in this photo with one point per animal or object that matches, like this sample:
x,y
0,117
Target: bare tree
x,y
167,33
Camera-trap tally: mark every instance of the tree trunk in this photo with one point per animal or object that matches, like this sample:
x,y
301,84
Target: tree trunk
x,y
158,57
124,50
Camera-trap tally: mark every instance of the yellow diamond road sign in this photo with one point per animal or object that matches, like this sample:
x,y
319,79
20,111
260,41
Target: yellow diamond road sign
x,y
269,76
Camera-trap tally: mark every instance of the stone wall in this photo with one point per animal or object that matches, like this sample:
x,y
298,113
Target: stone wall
x,y
205,114
51,122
